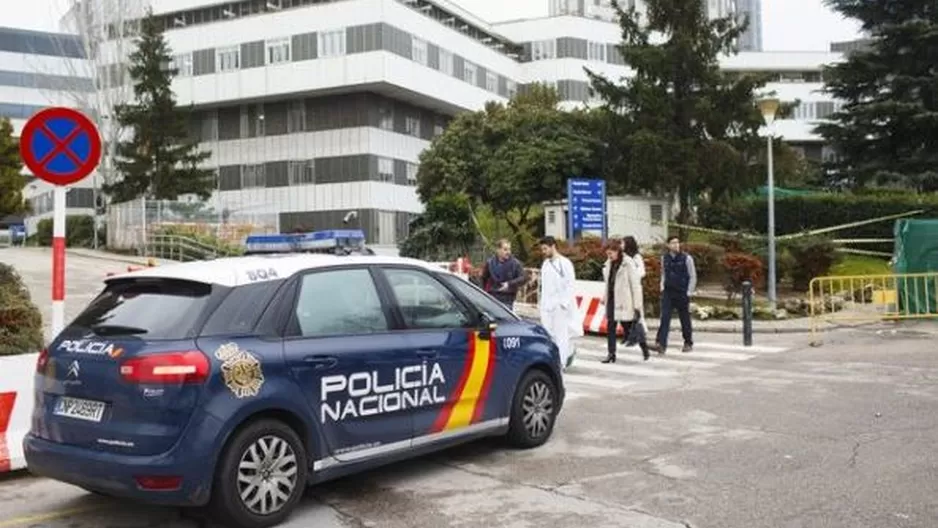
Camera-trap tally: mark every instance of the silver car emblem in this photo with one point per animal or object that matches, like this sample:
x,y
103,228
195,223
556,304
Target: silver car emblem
x,y
74,369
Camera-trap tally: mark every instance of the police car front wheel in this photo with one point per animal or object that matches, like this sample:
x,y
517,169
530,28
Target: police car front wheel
x,y
261,476
534,410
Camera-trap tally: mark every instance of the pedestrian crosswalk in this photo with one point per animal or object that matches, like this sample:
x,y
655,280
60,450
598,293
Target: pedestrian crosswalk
x,y
588,377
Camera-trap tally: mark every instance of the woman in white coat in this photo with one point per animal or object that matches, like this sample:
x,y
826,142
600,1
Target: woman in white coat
x,y
623,297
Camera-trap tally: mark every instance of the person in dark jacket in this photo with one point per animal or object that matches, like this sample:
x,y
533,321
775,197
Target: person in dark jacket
x,y
503,274
678,282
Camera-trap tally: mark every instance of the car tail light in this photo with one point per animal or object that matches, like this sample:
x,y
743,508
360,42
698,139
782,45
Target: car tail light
x,y
159,483
42,361
167,368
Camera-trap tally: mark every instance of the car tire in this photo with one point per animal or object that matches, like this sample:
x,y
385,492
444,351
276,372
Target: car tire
x,y
243,458
533,410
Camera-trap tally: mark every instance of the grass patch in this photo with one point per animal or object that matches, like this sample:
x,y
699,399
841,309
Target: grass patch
x,y
861,265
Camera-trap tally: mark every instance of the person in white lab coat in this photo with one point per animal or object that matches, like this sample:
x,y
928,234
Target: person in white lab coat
x,y
557,300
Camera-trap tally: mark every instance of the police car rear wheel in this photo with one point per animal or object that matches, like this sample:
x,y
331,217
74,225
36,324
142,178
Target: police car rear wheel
x,y
261,477
533,411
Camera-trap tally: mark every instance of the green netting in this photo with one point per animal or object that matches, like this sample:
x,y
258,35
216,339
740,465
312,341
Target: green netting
x,y
916,251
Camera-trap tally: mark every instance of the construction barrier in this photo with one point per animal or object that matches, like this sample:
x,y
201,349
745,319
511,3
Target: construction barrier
x,y
16,408
872,298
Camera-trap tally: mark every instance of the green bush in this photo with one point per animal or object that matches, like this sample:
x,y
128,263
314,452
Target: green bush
x,y
796,214
20,320
79,232
815,256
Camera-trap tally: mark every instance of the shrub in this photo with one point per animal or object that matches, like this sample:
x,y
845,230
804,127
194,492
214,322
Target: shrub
x,y
79,231
740,267
20,320
651,285
586,254
708,260
814,256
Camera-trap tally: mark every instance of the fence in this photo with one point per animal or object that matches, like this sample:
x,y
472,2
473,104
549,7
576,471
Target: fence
x,y
872,298
130,224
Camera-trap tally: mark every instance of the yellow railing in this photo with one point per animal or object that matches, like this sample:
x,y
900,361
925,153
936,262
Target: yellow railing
x,y
872,298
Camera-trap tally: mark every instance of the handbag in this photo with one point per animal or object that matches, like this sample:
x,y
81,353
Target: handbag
x,y
637,331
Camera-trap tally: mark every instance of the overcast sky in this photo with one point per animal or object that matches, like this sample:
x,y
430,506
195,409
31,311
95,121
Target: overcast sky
x,y
790,25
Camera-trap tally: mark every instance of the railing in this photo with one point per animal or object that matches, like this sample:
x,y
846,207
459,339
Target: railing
x,y
181,249
872,298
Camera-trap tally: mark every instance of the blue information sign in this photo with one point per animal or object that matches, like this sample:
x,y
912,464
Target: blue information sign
x,y
586,203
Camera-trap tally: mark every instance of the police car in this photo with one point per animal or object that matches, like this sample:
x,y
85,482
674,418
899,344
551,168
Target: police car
x,y
235,383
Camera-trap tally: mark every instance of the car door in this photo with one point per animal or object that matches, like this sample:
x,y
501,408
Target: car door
x,y
458,358
341,346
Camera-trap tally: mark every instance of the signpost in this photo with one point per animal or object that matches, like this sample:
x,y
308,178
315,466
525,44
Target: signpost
x,y
61,147
586,207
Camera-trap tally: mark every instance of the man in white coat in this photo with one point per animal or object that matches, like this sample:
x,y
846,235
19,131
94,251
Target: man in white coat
x,y
557,300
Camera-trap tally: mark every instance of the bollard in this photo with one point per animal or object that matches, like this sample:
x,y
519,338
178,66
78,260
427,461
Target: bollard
x,y
747,313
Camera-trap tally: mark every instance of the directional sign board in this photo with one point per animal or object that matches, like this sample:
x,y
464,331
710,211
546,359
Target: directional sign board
x,y
586,202
60,145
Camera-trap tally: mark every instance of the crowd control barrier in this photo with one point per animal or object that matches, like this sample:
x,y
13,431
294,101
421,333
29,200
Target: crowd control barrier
x,y
16,408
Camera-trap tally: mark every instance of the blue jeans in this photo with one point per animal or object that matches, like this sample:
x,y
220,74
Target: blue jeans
x,y
675,300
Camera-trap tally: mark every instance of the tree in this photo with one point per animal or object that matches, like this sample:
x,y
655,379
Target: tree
x,y
444,229
510,158
887,130
159,161
11,181
682,124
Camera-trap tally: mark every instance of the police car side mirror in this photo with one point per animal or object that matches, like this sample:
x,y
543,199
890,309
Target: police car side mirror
x,y
488,325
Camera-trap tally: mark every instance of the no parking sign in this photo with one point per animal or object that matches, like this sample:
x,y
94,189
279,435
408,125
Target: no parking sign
x,y
60,146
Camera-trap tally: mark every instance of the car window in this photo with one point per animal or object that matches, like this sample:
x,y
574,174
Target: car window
x,y
339,302
150,309
241,309
424,301
482,301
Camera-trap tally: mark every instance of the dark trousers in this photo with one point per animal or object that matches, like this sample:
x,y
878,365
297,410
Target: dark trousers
x,y
611,326
675,300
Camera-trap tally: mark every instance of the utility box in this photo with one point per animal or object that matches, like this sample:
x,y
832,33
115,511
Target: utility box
x,y
916,252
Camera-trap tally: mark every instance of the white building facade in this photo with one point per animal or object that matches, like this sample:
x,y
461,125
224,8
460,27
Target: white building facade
x,y
37,70
312,108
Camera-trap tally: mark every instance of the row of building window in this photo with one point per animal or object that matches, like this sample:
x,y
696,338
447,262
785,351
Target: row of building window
x,y
298,172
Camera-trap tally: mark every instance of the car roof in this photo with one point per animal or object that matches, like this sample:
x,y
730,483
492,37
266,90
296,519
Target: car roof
x,y
237,271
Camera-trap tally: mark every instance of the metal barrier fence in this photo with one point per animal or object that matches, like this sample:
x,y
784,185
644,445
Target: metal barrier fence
x,y
872,298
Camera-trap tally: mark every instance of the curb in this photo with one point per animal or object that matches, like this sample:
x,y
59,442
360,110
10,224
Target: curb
x,y
108,257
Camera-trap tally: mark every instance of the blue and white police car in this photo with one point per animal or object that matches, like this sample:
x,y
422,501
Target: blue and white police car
x,y
235,383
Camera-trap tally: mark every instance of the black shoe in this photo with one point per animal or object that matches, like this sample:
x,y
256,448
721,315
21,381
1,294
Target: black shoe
x,y
687,347
611,358
645,353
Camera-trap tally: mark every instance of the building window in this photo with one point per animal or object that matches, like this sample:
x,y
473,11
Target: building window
x,y
228,59
512,89
301,172
386,118
182,64
438,129
491,82
418,51
210,126
543,49
412,174
657,214
332,43
551,217
446,62
596,52
252,120
296,116
412,126
278,51
253,176
385,169
469,72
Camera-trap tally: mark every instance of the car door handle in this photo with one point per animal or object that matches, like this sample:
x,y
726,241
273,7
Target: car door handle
x,y
428,352
321,362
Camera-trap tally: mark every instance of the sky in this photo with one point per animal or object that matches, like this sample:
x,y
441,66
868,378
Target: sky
x,y
787,25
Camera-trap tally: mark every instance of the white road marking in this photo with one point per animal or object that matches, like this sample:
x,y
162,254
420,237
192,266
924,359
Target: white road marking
x,y
588,364
595,381
741,348
634,356
733,356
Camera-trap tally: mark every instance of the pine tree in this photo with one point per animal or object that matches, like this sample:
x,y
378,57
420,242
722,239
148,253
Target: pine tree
x,y
11,181
684,125
159,161
887,131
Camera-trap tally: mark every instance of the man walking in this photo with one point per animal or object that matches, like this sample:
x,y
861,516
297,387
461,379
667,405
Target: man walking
x,y
557,300
678,282
503,274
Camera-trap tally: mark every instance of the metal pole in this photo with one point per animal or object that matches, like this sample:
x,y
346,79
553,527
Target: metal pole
x,y
772,280
58,259
747,313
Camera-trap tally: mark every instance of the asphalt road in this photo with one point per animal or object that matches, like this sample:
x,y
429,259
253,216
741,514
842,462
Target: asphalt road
x,y
780,435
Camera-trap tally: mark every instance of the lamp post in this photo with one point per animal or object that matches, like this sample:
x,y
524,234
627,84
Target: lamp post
x,y
768,107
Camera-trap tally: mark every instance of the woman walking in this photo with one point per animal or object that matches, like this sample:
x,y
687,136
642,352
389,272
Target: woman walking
x,y
623,297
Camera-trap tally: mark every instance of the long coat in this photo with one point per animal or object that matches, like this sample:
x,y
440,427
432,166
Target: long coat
x,y
627,288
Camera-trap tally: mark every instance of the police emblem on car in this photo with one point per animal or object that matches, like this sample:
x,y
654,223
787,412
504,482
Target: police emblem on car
x,y
241,370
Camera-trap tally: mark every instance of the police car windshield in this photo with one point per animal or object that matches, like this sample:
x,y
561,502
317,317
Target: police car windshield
x,y
482,301
149,309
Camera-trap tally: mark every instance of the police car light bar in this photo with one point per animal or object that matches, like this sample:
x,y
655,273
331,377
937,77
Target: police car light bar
x,y
300,242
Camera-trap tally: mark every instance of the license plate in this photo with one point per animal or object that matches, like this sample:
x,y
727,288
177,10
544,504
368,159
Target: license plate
x,y
79,409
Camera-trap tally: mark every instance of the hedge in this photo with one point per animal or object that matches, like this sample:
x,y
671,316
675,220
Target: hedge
x,y
79,231
20,319
796,214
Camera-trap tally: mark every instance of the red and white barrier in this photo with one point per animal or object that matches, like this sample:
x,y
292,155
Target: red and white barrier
x,y
589,300
16,408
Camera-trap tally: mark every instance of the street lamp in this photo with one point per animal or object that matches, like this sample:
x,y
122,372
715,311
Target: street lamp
x,y
768,107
